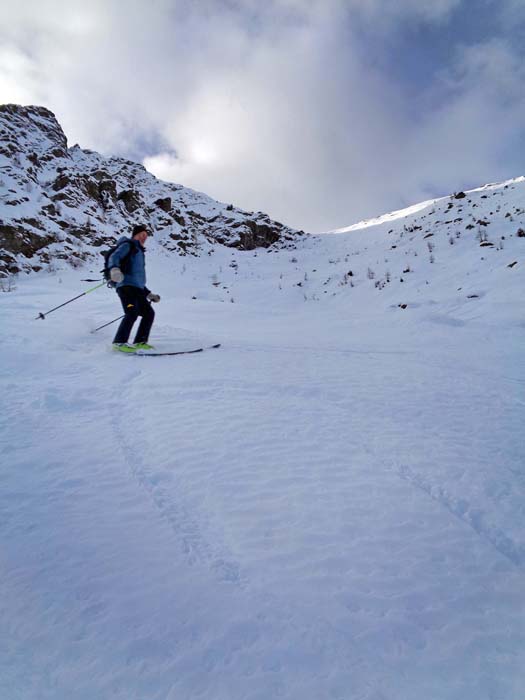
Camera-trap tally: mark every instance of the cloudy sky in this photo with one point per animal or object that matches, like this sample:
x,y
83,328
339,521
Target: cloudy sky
x,y
319,112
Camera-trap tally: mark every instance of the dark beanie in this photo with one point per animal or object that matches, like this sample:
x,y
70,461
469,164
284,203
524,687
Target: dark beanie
x,y
138,228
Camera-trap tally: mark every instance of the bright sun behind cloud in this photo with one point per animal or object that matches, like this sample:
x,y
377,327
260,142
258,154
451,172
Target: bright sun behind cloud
x,y
202,152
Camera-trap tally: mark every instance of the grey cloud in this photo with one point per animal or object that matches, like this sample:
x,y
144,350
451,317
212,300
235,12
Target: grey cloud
x,y
482,112
384,14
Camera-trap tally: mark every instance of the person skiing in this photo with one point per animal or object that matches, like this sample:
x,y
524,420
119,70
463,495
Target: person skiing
x,y
127,269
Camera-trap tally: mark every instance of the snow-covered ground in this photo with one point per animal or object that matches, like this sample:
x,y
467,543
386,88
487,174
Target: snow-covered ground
x,y
329,506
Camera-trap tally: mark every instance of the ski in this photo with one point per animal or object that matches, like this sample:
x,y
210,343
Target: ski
x,y
148,353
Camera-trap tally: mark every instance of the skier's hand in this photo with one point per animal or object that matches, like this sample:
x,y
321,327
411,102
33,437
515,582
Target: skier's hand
x,y
116,275
153,297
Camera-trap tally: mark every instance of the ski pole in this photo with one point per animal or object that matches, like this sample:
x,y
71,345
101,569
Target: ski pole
x,y
108,324
41,315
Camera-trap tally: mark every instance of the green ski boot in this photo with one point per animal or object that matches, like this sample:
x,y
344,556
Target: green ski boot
x,y
124,347
143,346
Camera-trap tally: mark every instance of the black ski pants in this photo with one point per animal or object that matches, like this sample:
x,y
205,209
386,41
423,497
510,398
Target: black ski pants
x,y
134,302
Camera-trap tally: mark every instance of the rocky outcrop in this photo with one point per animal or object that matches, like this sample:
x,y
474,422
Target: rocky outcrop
x,y
164,203
61,202
131,200
262,233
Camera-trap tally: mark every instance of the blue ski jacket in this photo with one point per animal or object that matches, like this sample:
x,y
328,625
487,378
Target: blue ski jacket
x,y
135,272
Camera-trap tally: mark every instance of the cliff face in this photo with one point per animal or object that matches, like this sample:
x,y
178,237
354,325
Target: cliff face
x,y
61,202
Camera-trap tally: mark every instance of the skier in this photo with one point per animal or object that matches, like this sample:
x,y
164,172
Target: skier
x,y
127,269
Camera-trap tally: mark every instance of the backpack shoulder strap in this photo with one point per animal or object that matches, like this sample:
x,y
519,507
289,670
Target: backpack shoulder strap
x,y
108,254
124,243
124,261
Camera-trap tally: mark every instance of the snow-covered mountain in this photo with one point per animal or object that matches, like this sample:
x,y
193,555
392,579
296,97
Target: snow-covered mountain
x,y
61,203
453,258
328,506
454,248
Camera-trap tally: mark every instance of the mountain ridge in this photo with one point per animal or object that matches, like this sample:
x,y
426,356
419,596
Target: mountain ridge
x,y
60,205
60,202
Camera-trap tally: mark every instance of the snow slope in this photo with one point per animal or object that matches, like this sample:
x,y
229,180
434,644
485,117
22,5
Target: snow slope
x,y
331,505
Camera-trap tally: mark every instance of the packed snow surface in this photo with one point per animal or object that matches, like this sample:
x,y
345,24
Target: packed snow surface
x,y
329,506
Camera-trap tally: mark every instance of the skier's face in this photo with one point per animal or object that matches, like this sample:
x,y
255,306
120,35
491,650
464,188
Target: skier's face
x,y
142,237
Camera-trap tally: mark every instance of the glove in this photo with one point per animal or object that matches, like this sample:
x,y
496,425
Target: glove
x,y
116,275
153,297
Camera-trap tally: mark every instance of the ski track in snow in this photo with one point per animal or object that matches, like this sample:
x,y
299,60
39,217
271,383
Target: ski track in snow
x,y
464,511
156,475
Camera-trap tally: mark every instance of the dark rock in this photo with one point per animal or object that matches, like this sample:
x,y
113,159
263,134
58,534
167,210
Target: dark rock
x,y
49,209
257,235
61,182
131,200
164,203
21,240
107,190
91,187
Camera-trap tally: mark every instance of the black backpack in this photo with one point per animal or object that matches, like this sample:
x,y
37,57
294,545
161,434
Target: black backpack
x,y
124,263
